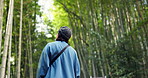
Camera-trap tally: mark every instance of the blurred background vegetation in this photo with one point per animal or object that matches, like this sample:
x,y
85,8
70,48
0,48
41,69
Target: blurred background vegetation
x,y
110,36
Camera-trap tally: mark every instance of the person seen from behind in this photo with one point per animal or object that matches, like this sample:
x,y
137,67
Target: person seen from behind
x,y
58,59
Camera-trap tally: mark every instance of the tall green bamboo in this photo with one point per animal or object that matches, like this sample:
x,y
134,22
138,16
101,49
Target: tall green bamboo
x,y
1,20
20,42
7,36
113,30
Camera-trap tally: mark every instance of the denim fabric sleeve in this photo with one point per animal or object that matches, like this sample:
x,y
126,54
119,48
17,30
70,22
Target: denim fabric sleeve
x,y
44,61
77,67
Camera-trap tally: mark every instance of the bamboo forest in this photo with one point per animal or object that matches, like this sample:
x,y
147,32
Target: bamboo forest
x,y
109,36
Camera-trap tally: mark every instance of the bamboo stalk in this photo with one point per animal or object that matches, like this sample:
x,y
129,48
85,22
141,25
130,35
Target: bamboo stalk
x,y
7,35
1,21
20,42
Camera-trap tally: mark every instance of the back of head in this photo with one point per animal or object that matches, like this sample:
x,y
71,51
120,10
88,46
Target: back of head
x,y
64,34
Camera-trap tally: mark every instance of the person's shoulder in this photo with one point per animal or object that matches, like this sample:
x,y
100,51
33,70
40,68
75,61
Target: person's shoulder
x,y
50,44
72,49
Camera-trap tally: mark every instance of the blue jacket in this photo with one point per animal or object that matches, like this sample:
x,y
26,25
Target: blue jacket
x,y
66,65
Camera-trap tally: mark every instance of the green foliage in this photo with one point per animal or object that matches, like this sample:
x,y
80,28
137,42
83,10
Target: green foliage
x,y
60,17
109,35
38,39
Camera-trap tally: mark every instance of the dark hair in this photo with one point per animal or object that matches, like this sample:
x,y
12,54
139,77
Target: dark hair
x,y
64,34
61,39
